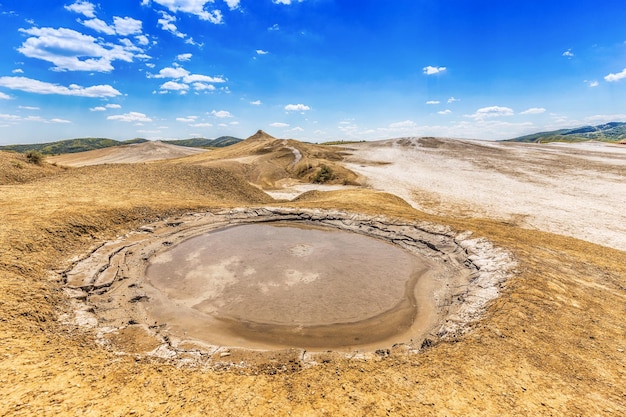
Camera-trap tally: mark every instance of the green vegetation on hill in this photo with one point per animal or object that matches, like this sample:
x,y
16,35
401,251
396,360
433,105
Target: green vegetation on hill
x,y
89,144
220,142
69,145
608,132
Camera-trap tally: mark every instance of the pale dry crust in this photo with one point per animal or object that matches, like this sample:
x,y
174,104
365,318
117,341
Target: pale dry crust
x,y
106,285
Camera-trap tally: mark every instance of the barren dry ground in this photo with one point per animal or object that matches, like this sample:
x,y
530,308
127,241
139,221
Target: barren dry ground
x,y
552,344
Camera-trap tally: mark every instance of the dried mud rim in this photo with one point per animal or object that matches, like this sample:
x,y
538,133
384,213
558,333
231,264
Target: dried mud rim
x,y
105,286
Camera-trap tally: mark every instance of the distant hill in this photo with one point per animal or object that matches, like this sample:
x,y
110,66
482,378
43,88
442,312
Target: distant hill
x,y
70,145
220,142
608,132
90,144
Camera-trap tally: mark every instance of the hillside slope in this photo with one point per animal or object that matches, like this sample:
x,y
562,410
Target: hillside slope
x,y
269,162
138,152
608,132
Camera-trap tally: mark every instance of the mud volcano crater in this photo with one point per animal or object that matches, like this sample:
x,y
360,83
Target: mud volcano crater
x,y
275,278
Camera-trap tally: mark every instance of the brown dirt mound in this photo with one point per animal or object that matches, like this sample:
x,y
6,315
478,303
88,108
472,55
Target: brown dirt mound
x,y
15,168
125,154
266,161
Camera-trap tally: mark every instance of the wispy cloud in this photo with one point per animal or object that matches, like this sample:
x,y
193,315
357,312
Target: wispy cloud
x,y
430,70
130,117
221,114
279,124
287,2
297,107
40,87
568,53
433,102
446,111
261,52
4,96
256,102
534,110
453,100
592,83
616,77
183,57
489,112
194,7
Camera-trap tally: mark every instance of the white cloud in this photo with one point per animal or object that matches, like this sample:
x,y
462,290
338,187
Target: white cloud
x,y
195,7
433,102
232,4
297,107
4,96
28,108
256,103
592,83
126,25
39,119
18,71
534,110
203,87
406,124
130,117
104,108
261,52
287,2
430,70
99,26
82,7
183,57
167,24
201,125
453,100
180,74
174,86
278,124
188,119
493,111
70,50
568,53
605,118
221,114
446,111
202,78
39,87
297,129
142,39
616,77
274,27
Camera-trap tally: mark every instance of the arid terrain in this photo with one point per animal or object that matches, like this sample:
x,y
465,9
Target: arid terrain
x,y
551,343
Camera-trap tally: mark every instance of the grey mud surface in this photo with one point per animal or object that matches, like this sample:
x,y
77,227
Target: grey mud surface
x,y
444,282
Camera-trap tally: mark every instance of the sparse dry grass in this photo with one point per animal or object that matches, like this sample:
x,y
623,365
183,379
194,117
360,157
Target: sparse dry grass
x,y
552,344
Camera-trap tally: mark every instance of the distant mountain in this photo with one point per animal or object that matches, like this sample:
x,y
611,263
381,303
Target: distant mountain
x,y
90,144
608,132
70,145
220,142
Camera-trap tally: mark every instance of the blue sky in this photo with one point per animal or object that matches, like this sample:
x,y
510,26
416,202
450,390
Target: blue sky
x,y
312,70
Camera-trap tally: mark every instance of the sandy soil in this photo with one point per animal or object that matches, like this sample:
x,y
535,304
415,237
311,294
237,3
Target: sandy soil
x,y
575,190
551,344
126,154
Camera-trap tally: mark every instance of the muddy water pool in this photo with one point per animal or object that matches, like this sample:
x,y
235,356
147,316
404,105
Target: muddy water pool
x,y
286,284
